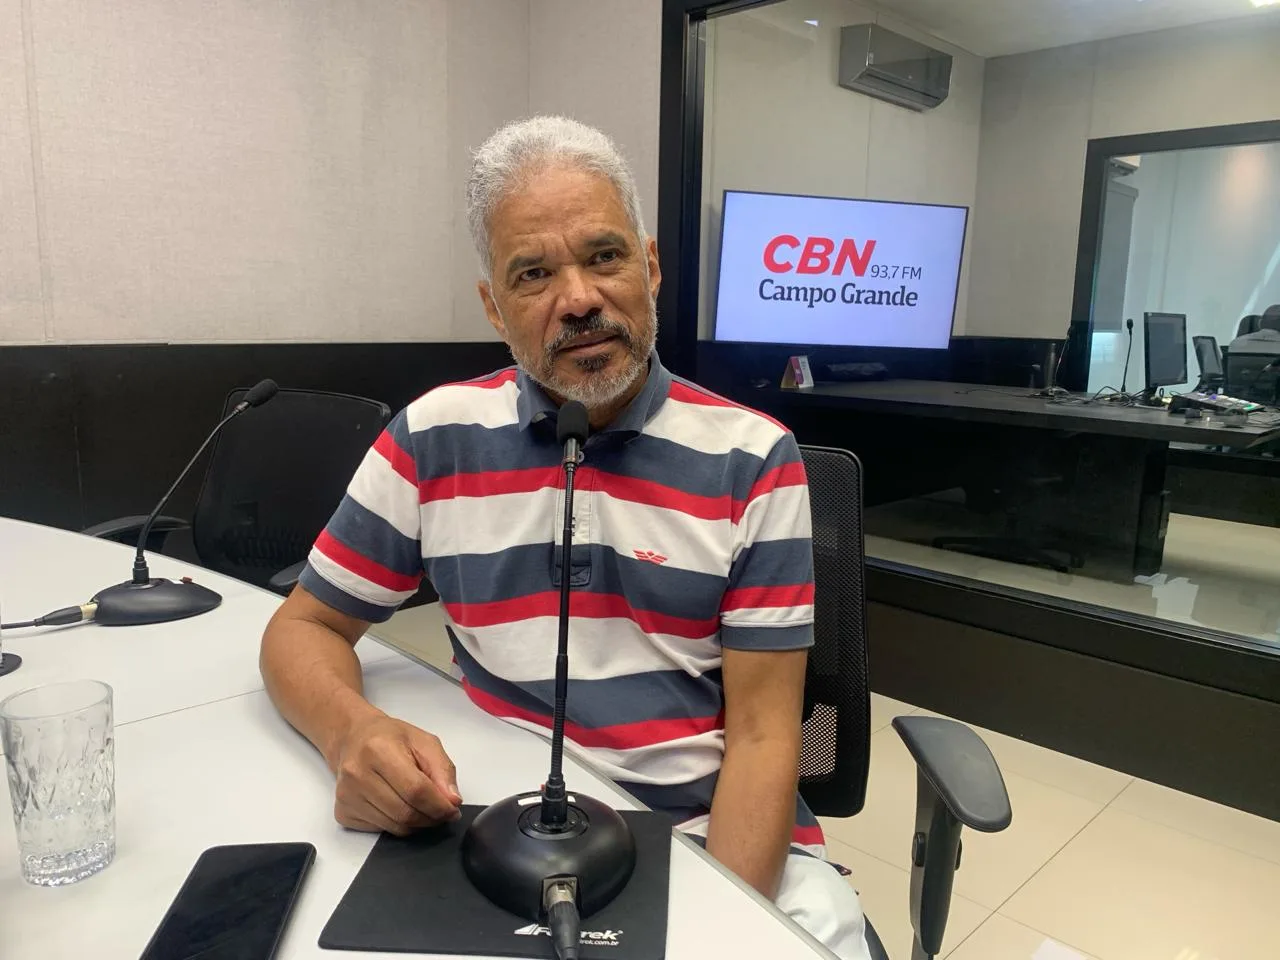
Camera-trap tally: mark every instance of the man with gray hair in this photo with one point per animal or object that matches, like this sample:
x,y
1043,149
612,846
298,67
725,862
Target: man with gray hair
x,y
692,563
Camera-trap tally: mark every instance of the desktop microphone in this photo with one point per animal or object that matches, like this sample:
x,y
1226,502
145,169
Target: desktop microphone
x,y
143,599
553,856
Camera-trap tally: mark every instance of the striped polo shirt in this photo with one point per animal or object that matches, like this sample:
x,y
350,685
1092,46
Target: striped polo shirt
x,y
691,534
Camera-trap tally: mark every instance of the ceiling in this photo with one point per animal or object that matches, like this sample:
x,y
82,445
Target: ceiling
x,y
993,28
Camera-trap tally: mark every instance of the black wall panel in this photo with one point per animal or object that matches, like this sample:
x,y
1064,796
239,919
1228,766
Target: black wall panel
x,y
92,432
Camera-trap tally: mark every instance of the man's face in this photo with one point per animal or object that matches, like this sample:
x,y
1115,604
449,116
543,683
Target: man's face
x,y
573,287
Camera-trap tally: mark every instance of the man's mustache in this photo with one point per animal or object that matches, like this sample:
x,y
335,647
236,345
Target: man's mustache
x,y
595,322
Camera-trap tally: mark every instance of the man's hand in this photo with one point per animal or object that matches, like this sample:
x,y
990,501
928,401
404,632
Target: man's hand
x,y
393,777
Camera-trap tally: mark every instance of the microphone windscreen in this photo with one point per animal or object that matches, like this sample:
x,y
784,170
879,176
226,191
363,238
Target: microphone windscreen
x,y
572,422
260,393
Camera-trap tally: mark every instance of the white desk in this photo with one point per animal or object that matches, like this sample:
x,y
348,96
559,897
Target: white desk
x,y
227,769
153,669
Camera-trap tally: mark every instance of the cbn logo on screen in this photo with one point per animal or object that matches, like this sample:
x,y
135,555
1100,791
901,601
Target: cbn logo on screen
x,y
815,255
590,938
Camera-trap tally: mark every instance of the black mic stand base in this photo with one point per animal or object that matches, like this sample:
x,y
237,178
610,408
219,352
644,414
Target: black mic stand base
x,y
156,601
512,858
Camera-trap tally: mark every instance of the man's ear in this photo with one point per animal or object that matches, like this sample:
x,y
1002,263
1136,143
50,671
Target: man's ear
x,y
655,271
491,309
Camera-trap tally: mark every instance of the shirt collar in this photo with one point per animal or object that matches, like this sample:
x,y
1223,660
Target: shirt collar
x,y
534,406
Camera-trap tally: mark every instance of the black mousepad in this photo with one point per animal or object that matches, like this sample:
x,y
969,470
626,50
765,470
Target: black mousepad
x,y
412,896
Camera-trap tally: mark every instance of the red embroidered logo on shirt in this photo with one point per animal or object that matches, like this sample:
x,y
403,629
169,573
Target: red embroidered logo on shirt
x,y
651,555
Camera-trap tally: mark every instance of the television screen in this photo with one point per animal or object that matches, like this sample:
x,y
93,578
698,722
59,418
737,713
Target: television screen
x,y
828,271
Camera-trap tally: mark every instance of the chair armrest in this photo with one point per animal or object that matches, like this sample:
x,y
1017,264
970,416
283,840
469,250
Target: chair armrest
x,y
284,581
958,784
960,768
126,529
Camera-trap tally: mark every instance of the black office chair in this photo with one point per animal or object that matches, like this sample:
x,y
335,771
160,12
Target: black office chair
x,y
275,477
958,781
1250,324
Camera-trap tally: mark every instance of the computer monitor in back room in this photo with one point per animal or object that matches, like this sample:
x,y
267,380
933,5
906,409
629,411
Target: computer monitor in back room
x,y
1164,343
1209,358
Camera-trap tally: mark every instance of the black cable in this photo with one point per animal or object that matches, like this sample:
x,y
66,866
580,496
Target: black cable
x,y
1057,367
1101,394
566,928
1124,378
57,618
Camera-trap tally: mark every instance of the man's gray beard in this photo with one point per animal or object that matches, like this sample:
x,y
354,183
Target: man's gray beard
x,y
597,389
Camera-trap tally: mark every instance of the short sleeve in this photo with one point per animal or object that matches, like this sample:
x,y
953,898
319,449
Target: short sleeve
x,y
368,559
768,602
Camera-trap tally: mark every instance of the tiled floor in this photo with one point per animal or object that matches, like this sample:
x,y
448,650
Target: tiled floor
x,y
1096,866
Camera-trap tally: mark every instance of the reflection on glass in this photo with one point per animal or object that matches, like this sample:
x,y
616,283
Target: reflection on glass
x,y
1194,232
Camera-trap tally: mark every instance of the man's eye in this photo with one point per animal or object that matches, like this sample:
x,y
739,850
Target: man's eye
x,y
533,273
606,256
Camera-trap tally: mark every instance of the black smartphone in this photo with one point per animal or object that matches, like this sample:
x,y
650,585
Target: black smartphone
x,y
234,903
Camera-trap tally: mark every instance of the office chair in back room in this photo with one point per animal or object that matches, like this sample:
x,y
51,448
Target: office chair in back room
x,y
1269,319
958,781
274,479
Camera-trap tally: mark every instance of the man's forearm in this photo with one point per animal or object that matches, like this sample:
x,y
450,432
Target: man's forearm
x,y
313,677
753,813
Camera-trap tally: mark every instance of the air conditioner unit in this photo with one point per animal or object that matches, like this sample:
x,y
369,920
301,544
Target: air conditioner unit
x,y
891,67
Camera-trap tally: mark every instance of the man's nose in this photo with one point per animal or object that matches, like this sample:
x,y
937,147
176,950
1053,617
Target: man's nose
x,y
578,295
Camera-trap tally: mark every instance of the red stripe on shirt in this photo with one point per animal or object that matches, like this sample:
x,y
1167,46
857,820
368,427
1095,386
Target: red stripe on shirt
x,y
489,483
355,562
755,598
591,606
622,736
808,836
786,475
654,494
400,460
488,382
687,394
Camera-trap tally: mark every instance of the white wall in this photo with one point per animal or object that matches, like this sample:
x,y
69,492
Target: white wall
x,y
1205,242
174,170
776,120
488,77
599,62
1040,110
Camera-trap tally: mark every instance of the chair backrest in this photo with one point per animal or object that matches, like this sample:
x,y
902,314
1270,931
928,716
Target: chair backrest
x,y
1249,324
275,477
1270,319
836,746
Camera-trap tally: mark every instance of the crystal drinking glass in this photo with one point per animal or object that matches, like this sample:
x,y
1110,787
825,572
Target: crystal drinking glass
x,y
59,748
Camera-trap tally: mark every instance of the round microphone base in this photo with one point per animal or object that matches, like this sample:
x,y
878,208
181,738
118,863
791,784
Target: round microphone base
x,y
156,601
508,854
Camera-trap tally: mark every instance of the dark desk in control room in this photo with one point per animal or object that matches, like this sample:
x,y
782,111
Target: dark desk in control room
x,y
919,436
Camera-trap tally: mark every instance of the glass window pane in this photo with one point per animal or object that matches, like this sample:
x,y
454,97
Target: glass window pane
x,y
1098,420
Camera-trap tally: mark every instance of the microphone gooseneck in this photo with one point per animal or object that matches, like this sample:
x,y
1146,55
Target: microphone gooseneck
x,y
571,431
256,396
141,572
141,599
